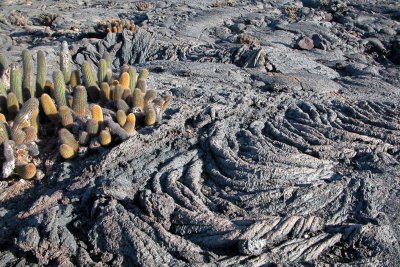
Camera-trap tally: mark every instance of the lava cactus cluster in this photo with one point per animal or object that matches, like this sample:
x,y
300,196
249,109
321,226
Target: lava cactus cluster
x,y
116,25
88,109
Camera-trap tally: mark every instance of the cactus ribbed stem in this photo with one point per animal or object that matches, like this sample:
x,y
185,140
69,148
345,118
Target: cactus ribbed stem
x,y
132,78
16,83
103,69
41,73
59,88
28,79
90,81
79,104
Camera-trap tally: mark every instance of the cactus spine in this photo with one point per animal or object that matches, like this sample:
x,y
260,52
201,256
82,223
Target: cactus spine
x,y
65,62
79,104
27,82
59,88
41,73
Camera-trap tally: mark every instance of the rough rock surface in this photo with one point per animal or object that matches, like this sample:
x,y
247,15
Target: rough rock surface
x,y
268,154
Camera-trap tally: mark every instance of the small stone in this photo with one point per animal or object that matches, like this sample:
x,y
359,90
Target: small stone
x,y
306,43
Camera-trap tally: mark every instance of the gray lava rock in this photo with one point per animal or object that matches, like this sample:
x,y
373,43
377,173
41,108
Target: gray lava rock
x,y
306,43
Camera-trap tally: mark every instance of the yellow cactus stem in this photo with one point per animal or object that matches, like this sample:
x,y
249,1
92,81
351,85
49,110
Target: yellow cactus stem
x,y
144,74
3,132
2,118
97,113
121,118
67,152
26,171
132,77
149,97
75,80
79,103
92,127
49,107
142,85
129,126
105,137
65,116
115,82
30,134
49,88
105,92
138,99
124,80
83,138
66,137
150,116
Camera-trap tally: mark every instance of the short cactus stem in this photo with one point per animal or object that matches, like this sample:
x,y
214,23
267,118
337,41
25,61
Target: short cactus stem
x,y
49,107
67,152
79,103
